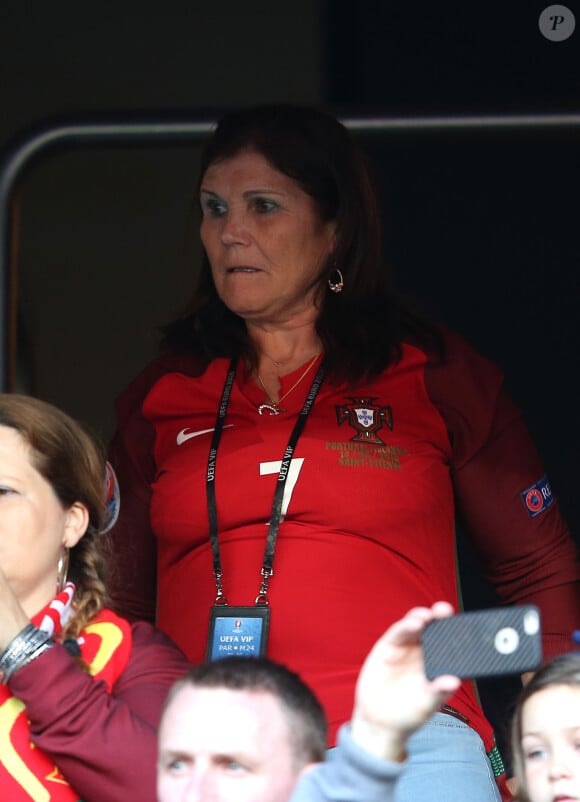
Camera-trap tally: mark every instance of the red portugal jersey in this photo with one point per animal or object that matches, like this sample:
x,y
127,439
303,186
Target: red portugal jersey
x,y
376,483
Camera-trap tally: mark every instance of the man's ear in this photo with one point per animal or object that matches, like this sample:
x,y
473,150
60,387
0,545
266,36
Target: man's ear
x,y
76,523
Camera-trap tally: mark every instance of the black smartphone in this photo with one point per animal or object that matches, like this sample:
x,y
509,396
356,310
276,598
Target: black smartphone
x,y
484,643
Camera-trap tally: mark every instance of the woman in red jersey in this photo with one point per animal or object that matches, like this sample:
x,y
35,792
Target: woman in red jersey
x,y
82,689
304,447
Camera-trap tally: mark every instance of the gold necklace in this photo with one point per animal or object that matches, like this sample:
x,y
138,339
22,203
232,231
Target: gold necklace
x,y
274,407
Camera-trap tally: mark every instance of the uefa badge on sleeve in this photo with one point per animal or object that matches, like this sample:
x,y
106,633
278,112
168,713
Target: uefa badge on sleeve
x,y
538,497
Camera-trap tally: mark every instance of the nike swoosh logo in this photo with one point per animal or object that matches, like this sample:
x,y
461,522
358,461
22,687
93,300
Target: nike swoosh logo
x,y
184,434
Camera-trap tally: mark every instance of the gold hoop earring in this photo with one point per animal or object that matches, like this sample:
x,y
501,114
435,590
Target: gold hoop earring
x,y
62,570
336,281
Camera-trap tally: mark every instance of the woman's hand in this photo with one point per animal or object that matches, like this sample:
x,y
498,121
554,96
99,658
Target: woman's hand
x,y
13,619
393,696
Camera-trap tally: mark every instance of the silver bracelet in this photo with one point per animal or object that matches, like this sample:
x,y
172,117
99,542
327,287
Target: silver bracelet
x,y
29,644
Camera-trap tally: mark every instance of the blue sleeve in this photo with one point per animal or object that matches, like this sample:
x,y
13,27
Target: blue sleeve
x,y
349,775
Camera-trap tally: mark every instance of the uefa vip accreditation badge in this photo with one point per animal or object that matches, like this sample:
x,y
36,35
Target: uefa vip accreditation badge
x,y
237,631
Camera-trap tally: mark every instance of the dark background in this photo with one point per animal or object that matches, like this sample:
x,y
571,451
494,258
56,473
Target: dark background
x,y
481,228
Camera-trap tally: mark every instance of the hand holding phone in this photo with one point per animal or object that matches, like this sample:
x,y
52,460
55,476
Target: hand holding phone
x,y
484,643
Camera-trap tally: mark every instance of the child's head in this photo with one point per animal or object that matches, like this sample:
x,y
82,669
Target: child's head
x,y
546,733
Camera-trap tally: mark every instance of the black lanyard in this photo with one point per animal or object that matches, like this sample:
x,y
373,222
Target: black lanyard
x,y
276,513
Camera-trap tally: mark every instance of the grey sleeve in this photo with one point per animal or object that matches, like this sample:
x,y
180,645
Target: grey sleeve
x,y
349,774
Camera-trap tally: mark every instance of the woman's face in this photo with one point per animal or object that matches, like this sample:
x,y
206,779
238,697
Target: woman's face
x,y
551,744
264,239
34,527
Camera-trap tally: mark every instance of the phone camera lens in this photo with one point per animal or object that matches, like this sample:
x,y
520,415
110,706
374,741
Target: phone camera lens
x,y
506,640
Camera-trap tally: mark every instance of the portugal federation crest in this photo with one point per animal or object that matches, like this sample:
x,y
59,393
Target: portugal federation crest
x,y
366,418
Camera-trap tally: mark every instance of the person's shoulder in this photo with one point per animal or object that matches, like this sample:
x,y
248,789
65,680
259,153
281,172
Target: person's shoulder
x,y
132,396
457,343
155,662
148,636
461,382
189,364
446,348
462,356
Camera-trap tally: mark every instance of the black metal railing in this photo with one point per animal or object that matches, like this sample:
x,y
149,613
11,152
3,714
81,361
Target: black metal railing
x,y
30,145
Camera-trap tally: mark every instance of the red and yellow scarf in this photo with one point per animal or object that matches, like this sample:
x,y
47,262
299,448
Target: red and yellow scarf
x,y
28,773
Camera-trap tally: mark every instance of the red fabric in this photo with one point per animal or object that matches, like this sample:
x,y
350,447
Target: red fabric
x,y
99,731
369,529
505,793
